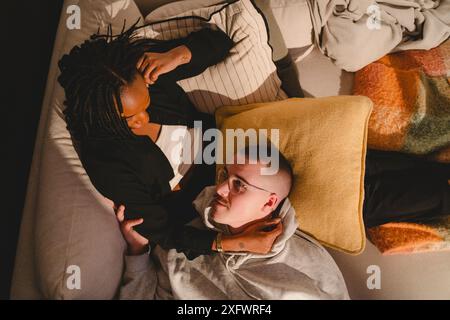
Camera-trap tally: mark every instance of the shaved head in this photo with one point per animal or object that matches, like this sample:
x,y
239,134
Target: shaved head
x,y
280,182
245,194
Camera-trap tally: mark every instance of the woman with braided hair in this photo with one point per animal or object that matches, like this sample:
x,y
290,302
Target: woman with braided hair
x,y
122,100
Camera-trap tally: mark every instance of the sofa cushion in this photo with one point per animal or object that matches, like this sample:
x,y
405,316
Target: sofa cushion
x,y
73,234
276,39
320,77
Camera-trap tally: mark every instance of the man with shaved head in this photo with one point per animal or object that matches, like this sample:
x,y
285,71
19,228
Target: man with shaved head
x,y
296,266
238,212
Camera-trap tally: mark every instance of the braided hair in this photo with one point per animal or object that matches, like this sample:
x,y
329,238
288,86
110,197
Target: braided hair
x,y
93,75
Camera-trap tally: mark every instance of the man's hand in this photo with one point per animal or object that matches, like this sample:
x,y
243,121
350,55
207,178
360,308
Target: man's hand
x,y
257,238
137,244
152,64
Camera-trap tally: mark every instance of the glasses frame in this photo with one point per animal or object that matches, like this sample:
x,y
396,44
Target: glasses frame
x,y
224,169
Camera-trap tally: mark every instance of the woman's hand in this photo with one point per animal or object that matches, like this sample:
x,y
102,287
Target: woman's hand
x,y
152,64
257,238
137,244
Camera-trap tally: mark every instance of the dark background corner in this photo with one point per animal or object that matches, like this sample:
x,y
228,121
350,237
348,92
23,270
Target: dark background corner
x,y
30,29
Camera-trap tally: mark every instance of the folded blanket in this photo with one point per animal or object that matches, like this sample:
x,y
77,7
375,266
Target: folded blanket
x,y
403,237
411,95
354,33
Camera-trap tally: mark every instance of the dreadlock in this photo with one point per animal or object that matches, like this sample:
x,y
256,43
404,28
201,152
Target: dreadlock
x,y
93,75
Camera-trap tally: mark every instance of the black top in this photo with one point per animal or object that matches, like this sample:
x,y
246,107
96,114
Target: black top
x,y
135,172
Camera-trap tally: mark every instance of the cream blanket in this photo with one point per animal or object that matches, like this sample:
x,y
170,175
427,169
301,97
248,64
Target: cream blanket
x,y
354,33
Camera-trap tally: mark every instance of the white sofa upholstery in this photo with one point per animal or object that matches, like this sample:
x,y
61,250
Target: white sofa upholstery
x,y
59,192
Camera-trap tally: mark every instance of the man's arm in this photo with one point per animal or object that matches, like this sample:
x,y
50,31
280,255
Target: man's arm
x,y
140,279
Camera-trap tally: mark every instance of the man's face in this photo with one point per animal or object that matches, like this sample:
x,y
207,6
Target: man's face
x,y
253,202
135,101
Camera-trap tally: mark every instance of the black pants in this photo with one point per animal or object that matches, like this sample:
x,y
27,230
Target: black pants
x,y
400,187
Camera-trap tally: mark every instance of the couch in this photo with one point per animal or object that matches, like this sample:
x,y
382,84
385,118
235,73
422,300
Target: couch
x,y
420,276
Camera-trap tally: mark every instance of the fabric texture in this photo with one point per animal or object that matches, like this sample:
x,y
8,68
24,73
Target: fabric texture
x,y
408,237
293,18
411,95
324,139
297,267
342,28
318,69
168,145
247,75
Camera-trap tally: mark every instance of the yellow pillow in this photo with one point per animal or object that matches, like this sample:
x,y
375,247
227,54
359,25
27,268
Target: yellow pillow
x,y
325,141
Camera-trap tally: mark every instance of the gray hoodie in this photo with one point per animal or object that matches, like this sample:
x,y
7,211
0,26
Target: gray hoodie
x,y
297,267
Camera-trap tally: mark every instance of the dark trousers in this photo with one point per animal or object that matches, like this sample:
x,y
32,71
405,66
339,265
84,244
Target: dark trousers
x,y
400,187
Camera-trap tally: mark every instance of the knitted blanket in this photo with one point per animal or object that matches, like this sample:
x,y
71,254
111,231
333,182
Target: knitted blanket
x,y
404,237
411,95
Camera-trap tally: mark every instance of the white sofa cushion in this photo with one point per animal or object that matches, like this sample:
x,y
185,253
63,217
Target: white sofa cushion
x,y
174,8
67,226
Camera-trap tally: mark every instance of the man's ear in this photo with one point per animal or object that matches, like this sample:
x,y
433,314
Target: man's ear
x,y
271,203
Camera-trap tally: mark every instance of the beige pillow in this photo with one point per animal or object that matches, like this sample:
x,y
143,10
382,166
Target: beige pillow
x,y
275,40
324,139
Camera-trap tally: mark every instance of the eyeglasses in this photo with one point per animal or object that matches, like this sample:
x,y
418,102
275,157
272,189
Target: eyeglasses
x,y
235,184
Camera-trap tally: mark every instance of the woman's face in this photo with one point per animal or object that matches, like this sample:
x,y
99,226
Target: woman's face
x,y
135,100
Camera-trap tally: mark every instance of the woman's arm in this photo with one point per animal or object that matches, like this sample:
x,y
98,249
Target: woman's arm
x,y
136,175
178,59
155,222
256,238
208,47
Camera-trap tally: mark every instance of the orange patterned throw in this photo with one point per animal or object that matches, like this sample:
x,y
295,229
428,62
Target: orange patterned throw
x,y
411,95
404,237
